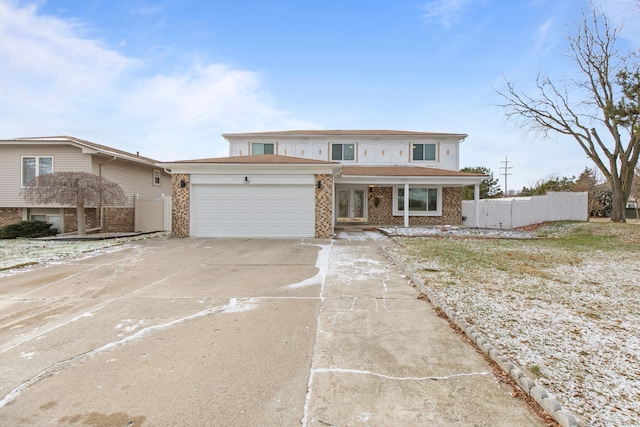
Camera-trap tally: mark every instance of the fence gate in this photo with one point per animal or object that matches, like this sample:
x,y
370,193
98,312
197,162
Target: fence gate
x,y
153,214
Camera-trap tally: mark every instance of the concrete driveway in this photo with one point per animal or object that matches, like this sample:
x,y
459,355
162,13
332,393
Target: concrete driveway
x,y
227,332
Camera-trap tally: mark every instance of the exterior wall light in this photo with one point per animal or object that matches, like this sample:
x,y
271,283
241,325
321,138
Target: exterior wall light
x,y
319,185
246,179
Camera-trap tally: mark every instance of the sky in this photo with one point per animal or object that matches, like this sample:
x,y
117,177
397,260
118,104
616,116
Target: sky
x,y
166,78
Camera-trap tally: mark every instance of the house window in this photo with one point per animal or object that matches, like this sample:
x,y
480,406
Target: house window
x,y
35,166
156,177
424,152
258,148
343,151
423,201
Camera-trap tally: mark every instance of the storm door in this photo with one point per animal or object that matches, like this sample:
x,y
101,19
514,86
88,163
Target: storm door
x,y
351,205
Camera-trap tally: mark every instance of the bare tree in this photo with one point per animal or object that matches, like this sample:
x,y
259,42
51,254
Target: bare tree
x,y
604,120
79,189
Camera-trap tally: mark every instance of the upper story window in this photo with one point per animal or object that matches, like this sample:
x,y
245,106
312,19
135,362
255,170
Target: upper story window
x,y
424,152
35,166
156,177
262,148
343,152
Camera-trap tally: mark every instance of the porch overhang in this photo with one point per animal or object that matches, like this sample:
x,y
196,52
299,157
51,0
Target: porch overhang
x,y
400,175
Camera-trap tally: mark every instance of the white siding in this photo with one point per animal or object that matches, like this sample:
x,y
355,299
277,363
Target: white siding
x,y
369,151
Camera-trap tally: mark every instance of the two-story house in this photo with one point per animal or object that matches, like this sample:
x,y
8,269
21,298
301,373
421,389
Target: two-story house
x,y
21,159
304,183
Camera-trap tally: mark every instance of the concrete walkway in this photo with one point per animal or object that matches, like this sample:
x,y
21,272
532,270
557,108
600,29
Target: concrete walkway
x,y
383,358
227,332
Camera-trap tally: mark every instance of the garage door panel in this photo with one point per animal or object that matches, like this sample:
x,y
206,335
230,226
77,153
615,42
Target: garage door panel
x,y
252,211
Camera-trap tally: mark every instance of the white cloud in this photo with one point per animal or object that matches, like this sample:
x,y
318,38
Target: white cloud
x,y
625,13
54,80
444,11
53,51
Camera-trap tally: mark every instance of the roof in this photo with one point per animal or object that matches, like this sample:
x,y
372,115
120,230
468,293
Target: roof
x,y
402,171
77,141
342,133
259,159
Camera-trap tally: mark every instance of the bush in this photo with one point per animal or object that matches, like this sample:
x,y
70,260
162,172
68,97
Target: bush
x,y
27,229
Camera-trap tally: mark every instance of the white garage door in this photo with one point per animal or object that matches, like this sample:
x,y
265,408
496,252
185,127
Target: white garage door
x,y
252,210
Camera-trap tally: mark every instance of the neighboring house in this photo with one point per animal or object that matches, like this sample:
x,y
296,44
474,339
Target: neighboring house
x,y
304,183
24,158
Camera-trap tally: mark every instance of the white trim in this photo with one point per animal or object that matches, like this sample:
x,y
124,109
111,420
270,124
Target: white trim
x,y
398,212
253,179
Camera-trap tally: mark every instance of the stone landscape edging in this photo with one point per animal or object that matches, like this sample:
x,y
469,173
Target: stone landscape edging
x,y
563,416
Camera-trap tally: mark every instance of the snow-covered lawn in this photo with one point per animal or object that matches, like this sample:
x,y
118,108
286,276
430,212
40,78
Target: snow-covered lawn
x,y
566,308
24,252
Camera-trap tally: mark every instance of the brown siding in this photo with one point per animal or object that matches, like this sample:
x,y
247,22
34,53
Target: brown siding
x,y
180,206
134,178
65,158
383,213
324,207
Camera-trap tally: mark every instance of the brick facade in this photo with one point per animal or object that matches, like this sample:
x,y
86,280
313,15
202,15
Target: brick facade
x,y
10,216
180,205
324,207
114,219
383,213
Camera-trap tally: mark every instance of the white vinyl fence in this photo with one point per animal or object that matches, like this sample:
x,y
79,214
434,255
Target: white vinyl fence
x,y
152,214
513,212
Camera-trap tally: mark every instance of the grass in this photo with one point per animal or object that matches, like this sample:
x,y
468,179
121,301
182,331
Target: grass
x,y
566,305
565,244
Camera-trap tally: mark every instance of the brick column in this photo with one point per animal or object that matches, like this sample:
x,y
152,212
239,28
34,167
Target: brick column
x,y
180,205
324,206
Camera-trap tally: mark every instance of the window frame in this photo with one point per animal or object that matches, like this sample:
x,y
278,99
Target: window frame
x,y
399,211
262,144
157,178
423,145
37,167
342,152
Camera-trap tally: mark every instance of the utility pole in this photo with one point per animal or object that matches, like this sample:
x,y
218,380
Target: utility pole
x,y
506,173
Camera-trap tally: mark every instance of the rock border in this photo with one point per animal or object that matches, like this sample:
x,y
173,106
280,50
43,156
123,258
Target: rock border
x,y
563,416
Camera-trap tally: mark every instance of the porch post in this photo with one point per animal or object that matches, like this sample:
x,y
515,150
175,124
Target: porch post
x,y
476,204
406,206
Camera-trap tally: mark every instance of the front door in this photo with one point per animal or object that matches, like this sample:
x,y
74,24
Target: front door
x,y
352,205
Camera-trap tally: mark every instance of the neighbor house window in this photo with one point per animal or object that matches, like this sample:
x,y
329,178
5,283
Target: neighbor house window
x,y
156,177
262,148
422,201
343,151
35,166
424,152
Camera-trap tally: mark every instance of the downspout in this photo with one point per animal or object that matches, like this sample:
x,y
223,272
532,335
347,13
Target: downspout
x,y
101,212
